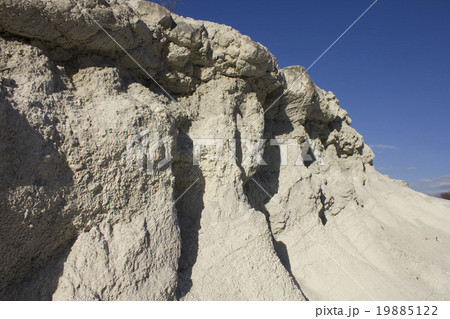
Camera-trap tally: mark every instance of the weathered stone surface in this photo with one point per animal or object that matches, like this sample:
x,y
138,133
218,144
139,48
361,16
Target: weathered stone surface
x,y
86,216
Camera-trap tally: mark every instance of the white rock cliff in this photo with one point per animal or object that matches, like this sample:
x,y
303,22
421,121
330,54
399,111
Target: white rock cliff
x,y
84,82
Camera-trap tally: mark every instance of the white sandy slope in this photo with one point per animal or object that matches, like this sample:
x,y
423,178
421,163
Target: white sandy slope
x,y
396,247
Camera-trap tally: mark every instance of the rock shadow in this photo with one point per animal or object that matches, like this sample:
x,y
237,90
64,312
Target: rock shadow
x,y
268,176
189,205
36,230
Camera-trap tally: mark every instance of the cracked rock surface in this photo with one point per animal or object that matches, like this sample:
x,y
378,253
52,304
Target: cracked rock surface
x,y
86,213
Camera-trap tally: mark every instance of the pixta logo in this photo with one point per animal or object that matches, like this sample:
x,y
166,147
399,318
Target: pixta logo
x,y
149,151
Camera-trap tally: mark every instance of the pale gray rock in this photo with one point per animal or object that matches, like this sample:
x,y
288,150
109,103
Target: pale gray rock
x,y
82,218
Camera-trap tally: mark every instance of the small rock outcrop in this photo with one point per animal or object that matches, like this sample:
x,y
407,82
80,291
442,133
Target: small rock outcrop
x,y
96,94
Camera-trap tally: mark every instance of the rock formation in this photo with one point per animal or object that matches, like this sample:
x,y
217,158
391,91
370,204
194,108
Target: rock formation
x,y
87,212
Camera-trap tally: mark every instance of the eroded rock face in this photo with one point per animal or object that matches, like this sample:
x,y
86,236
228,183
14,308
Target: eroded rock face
x,y
87,214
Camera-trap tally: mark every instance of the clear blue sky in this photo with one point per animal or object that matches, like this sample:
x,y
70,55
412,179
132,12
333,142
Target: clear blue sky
x,y
391,71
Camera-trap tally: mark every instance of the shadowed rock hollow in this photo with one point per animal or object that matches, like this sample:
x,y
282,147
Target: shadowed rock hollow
x,y
83,219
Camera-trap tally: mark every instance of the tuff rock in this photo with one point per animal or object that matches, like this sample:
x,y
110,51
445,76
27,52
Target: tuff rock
x,y
84,82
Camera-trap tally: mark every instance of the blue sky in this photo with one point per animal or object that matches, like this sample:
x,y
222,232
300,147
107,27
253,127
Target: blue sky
x,y
391,71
